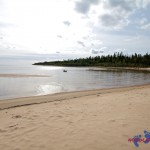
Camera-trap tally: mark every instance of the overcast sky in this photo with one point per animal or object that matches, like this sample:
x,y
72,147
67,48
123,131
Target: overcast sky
x,y
74,27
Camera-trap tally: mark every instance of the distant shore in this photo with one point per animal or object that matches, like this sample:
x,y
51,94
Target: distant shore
x,y
87,120
115,60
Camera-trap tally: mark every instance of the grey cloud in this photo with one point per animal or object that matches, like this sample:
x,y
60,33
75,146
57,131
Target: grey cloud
x,y
83,6
119,11
97,51
67,23
81,43
126,5
110,20
59,36
58,52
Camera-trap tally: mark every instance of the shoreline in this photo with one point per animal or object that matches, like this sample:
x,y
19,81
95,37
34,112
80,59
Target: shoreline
x,y
138,69
31,100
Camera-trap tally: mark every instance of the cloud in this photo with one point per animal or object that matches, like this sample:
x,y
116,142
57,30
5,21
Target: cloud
x,y
59,36
110,20
135,38
81,43
117,13
101,50
145,3
5,25
146,27
124,5
83,6
67,23
97,51
143,21
114,21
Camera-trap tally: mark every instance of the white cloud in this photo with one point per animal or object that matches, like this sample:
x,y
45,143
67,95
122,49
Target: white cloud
x,y
146,26
134,38
145,3
143,21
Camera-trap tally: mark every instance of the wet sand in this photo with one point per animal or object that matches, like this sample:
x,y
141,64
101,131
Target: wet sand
x,y
88,120
20,75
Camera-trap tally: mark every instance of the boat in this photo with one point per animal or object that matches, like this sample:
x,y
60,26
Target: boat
x,y
64,70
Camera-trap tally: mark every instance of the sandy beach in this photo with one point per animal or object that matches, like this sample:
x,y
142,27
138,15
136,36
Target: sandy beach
x,y
20,75
88,120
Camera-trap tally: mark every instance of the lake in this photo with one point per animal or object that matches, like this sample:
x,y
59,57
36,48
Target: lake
x,y
75,79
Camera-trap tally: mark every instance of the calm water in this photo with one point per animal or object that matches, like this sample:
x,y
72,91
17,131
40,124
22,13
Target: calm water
x,y
75,79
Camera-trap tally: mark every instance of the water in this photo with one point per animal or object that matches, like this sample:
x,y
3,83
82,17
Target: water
x,y
75,79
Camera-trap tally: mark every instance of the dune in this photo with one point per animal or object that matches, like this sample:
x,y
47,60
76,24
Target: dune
x,y
102,119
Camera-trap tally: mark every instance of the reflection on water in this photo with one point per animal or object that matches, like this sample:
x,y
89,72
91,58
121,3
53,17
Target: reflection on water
x,y
49,89
74,80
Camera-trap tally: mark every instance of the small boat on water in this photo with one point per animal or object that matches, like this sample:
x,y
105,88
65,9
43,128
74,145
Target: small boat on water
x,y
64,70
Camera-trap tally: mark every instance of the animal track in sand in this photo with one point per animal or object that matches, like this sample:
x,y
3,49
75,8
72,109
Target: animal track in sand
x,y
59,116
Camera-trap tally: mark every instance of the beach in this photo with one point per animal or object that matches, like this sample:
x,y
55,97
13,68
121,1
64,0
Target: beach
x,y
103,119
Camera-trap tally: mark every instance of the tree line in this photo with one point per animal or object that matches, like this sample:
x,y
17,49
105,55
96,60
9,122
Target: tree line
x,y
115,60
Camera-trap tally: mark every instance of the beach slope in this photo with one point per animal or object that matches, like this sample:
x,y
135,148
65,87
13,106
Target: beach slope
x,y
88,120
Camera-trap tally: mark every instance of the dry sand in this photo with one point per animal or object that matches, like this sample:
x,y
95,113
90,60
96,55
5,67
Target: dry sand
x,y
88,120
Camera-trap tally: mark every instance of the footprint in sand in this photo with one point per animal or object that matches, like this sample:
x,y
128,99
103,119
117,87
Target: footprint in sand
x,y
17,116
112,120
59,116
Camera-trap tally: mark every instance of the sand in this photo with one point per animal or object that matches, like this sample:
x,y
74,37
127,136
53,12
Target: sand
x,y
20,75
88,120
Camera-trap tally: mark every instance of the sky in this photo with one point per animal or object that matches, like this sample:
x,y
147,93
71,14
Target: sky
x,y
73,28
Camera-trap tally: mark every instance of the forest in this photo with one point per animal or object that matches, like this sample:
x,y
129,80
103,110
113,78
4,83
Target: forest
x,y
115,60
